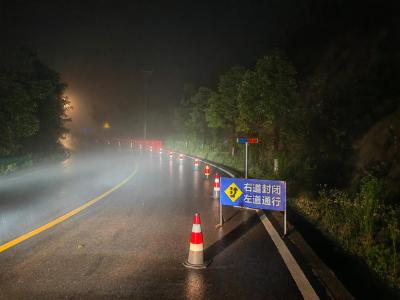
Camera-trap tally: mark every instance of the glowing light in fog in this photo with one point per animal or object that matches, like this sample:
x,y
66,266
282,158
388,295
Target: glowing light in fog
x,y
67,141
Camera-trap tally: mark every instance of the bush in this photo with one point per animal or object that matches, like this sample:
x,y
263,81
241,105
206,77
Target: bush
x,y
362,224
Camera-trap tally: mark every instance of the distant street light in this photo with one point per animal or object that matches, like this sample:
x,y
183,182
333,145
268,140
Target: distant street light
x,y
106,125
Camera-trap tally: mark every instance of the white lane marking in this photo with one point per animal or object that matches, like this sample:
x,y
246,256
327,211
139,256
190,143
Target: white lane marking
x,y
301,280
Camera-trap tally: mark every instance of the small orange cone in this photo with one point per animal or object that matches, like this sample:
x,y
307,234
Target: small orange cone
x,y
196,163
217,185
196,251
207,171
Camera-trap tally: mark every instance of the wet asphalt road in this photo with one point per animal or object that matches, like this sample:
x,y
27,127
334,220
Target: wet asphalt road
x,y
132,243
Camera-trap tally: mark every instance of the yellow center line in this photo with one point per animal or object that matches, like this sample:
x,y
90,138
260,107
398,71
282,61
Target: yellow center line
x,y
62,218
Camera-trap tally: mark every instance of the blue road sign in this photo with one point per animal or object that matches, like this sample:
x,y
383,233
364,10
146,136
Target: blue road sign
x,y
241,140
253,193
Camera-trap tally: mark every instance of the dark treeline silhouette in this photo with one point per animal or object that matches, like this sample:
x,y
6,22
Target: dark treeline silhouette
x,y
32,106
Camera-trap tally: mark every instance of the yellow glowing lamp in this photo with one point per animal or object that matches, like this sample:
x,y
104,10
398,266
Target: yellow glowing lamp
x,y
106,125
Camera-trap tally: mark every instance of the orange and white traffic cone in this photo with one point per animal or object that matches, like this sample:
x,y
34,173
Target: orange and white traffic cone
x,y
217,185
171,155
196,163
181,157
207,171
196,251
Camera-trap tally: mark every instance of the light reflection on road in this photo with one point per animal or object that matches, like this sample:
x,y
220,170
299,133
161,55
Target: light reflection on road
x,y
196,182
194,285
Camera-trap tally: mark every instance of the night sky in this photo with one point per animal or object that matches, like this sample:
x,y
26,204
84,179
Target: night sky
x,y
101,48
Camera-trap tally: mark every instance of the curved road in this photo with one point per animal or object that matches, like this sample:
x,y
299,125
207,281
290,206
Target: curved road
x,y
132,241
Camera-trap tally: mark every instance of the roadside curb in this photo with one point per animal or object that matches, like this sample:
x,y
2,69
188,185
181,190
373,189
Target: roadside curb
x,y
334,288
326,277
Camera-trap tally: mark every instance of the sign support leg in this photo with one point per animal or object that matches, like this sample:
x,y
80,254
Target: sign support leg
x,y
284,223
284,216
221,220
245,166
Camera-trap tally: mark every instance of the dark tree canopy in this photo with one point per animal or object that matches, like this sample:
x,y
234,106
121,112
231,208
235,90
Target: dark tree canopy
x,y
32,106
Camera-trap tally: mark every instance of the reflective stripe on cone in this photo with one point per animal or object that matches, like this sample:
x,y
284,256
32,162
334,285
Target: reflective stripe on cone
x,y
217,184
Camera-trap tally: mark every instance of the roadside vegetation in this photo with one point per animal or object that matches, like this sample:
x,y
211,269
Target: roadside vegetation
x,y
334,131
32,110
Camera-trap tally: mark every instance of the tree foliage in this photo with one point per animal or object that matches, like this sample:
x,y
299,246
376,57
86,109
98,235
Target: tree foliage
x,y
222,111
309,122
17,114
182,112
32,106
268,97
196,120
